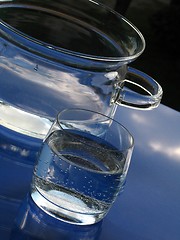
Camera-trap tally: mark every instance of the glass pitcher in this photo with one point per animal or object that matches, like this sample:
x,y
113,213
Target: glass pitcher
x,y
66,53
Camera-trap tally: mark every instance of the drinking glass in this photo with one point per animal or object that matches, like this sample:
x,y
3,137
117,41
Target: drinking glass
x,y
82,166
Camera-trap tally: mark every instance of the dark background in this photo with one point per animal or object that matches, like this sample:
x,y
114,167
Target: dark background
x,y
159,22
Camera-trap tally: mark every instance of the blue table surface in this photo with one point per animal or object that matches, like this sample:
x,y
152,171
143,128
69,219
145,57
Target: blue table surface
x,y
148,209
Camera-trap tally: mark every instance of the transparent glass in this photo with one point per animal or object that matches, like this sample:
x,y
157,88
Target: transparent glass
x,y
61,54
82,166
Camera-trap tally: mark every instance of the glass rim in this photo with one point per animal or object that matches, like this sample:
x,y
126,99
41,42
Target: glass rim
x,y
33,44
131,144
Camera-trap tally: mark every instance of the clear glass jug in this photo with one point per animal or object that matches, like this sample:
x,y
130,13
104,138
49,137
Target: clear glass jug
x,y
66,53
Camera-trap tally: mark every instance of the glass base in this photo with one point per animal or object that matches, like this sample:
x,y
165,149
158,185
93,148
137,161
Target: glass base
x,y
66,215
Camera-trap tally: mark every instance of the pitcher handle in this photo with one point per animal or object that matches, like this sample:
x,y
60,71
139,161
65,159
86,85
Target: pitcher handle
x,y
152,91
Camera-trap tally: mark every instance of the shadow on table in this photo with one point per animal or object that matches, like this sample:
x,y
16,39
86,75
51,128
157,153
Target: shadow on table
x,y
32,223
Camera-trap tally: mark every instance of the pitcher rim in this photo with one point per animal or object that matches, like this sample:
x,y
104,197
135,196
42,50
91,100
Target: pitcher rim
x,y
35,45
